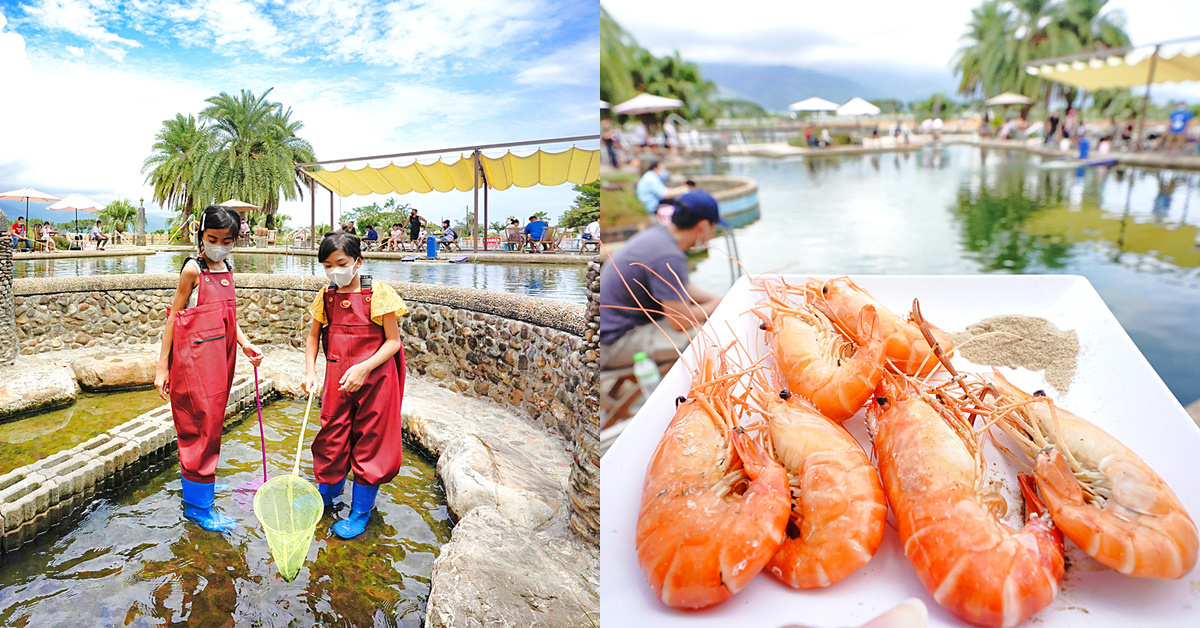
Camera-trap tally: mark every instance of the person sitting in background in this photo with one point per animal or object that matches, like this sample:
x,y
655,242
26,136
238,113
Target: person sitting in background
x,y
245,232
17,231
826,139
98,236
652,189
513,236
1177,131
372,237
47,237
448,236
533,232
396,242
651,271
592,231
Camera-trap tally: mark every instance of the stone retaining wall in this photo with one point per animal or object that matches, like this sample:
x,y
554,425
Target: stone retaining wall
x,y
8,346
39,495
585,472
520,351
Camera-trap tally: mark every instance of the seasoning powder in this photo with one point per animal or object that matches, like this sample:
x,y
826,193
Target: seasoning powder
x,y
1039,346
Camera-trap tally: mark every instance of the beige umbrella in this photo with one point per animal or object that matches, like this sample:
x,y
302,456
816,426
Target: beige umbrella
x,y
238,205
646,103
76,202
1007,98
28,194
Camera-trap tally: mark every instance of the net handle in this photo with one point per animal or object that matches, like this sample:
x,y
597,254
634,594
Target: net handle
x,y
303,426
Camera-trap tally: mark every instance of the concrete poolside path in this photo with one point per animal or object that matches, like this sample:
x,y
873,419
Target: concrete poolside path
x,y
483,257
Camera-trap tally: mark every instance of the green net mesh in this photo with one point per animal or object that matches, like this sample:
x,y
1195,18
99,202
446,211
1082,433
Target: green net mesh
x,y
288,507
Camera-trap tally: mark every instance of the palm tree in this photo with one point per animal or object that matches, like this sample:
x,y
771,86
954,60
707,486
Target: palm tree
x,y
118,214
177,149
617,49
254,152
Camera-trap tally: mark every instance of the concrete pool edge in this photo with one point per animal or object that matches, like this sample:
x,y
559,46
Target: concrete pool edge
x,y
35,497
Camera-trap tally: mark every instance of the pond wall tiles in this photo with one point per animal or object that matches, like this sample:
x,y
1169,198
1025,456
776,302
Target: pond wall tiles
x,y
39,495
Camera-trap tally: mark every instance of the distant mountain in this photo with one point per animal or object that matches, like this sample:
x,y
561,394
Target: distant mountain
x,y
12,209
777,86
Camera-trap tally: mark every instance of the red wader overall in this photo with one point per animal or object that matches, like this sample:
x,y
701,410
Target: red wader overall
x,y
360,430
201,374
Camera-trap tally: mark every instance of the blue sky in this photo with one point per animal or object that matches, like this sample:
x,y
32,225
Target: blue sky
x,y
366,78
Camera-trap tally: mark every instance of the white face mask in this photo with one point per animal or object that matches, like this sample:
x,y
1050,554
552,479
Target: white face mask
x,y
342,276
216,253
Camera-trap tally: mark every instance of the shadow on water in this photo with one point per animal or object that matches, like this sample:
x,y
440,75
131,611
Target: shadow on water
x,y
30,438
961,210
132,559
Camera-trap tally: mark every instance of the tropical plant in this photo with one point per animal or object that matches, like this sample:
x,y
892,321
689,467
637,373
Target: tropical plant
x,y
586,207
1002,36
381,217
177,149
617,49
117,215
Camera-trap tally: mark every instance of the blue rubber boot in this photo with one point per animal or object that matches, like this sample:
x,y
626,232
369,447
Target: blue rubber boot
x,y
361,504
197,506
331,494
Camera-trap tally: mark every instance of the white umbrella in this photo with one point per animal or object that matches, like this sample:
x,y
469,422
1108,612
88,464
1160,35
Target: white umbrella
x,y
1008,98
646,103
813,104
858,107
28,194
238,205
76,202
604,104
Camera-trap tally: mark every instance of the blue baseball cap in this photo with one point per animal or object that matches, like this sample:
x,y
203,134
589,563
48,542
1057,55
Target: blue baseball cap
x,y
702,204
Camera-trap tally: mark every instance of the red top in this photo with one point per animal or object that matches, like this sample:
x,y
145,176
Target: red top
x,y
17,229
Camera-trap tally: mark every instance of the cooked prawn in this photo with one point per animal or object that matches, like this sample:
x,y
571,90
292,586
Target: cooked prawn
x,y
714,504
838,509
818,362
932,467
1098,491
842,301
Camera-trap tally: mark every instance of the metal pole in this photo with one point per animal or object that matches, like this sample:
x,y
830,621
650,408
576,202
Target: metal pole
x,y
312,199
1146,99
475,242
485,218
556,140
331,225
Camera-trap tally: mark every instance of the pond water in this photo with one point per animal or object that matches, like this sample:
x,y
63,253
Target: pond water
x,y
131,558
564,282
965,210
27,439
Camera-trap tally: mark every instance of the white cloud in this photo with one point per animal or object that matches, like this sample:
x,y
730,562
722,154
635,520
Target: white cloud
x,y
578,64
75,52
82,18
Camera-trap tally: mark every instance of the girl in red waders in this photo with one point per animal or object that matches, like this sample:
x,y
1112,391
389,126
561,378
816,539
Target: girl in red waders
x,y
364,381
195,366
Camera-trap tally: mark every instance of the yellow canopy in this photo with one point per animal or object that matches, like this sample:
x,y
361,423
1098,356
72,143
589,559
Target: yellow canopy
x,y
1126,67
575,165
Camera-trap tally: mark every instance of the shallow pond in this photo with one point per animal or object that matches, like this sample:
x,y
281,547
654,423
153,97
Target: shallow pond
x,y
565,282
27,439
132,559
965,210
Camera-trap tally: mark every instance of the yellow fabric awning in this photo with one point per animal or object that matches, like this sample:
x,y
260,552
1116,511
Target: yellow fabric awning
x,y
1129,68
575,165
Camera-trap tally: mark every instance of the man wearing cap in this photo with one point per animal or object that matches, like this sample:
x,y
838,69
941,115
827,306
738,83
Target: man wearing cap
x,y
652,189
651,272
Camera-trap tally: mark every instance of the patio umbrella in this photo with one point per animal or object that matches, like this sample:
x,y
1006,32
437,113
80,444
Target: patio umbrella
x,y
646,103
76,202
858,107
1007,98
28,194
813,104
604,104
238,205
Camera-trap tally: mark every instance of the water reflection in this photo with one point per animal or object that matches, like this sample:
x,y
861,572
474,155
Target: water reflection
x,y
960,210
564,282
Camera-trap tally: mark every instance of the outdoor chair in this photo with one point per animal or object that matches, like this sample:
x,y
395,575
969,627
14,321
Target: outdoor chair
x,y
271,234
549,239
593,245
448,245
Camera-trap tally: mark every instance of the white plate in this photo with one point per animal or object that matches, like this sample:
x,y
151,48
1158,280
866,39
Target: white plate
x,y
1114,387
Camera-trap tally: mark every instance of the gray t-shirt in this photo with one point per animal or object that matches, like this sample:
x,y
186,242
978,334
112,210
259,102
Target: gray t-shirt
x,y
657,250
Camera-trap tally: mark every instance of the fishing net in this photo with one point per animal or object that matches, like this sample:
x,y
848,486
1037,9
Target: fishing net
x,y
289,507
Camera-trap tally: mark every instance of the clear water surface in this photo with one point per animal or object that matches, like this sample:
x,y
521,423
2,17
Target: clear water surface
x,y
964,210
131,559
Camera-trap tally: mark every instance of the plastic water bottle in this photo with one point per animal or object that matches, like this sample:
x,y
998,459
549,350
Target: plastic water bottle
x,y
646,371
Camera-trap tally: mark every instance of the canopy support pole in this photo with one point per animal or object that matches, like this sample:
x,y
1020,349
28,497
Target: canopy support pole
x,y
331,225
1146,99
312,198
485,218
475,231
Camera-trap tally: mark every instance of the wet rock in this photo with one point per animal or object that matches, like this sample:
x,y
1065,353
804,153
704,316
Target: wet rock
x,y
33,387
496,573
114,372
489,472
